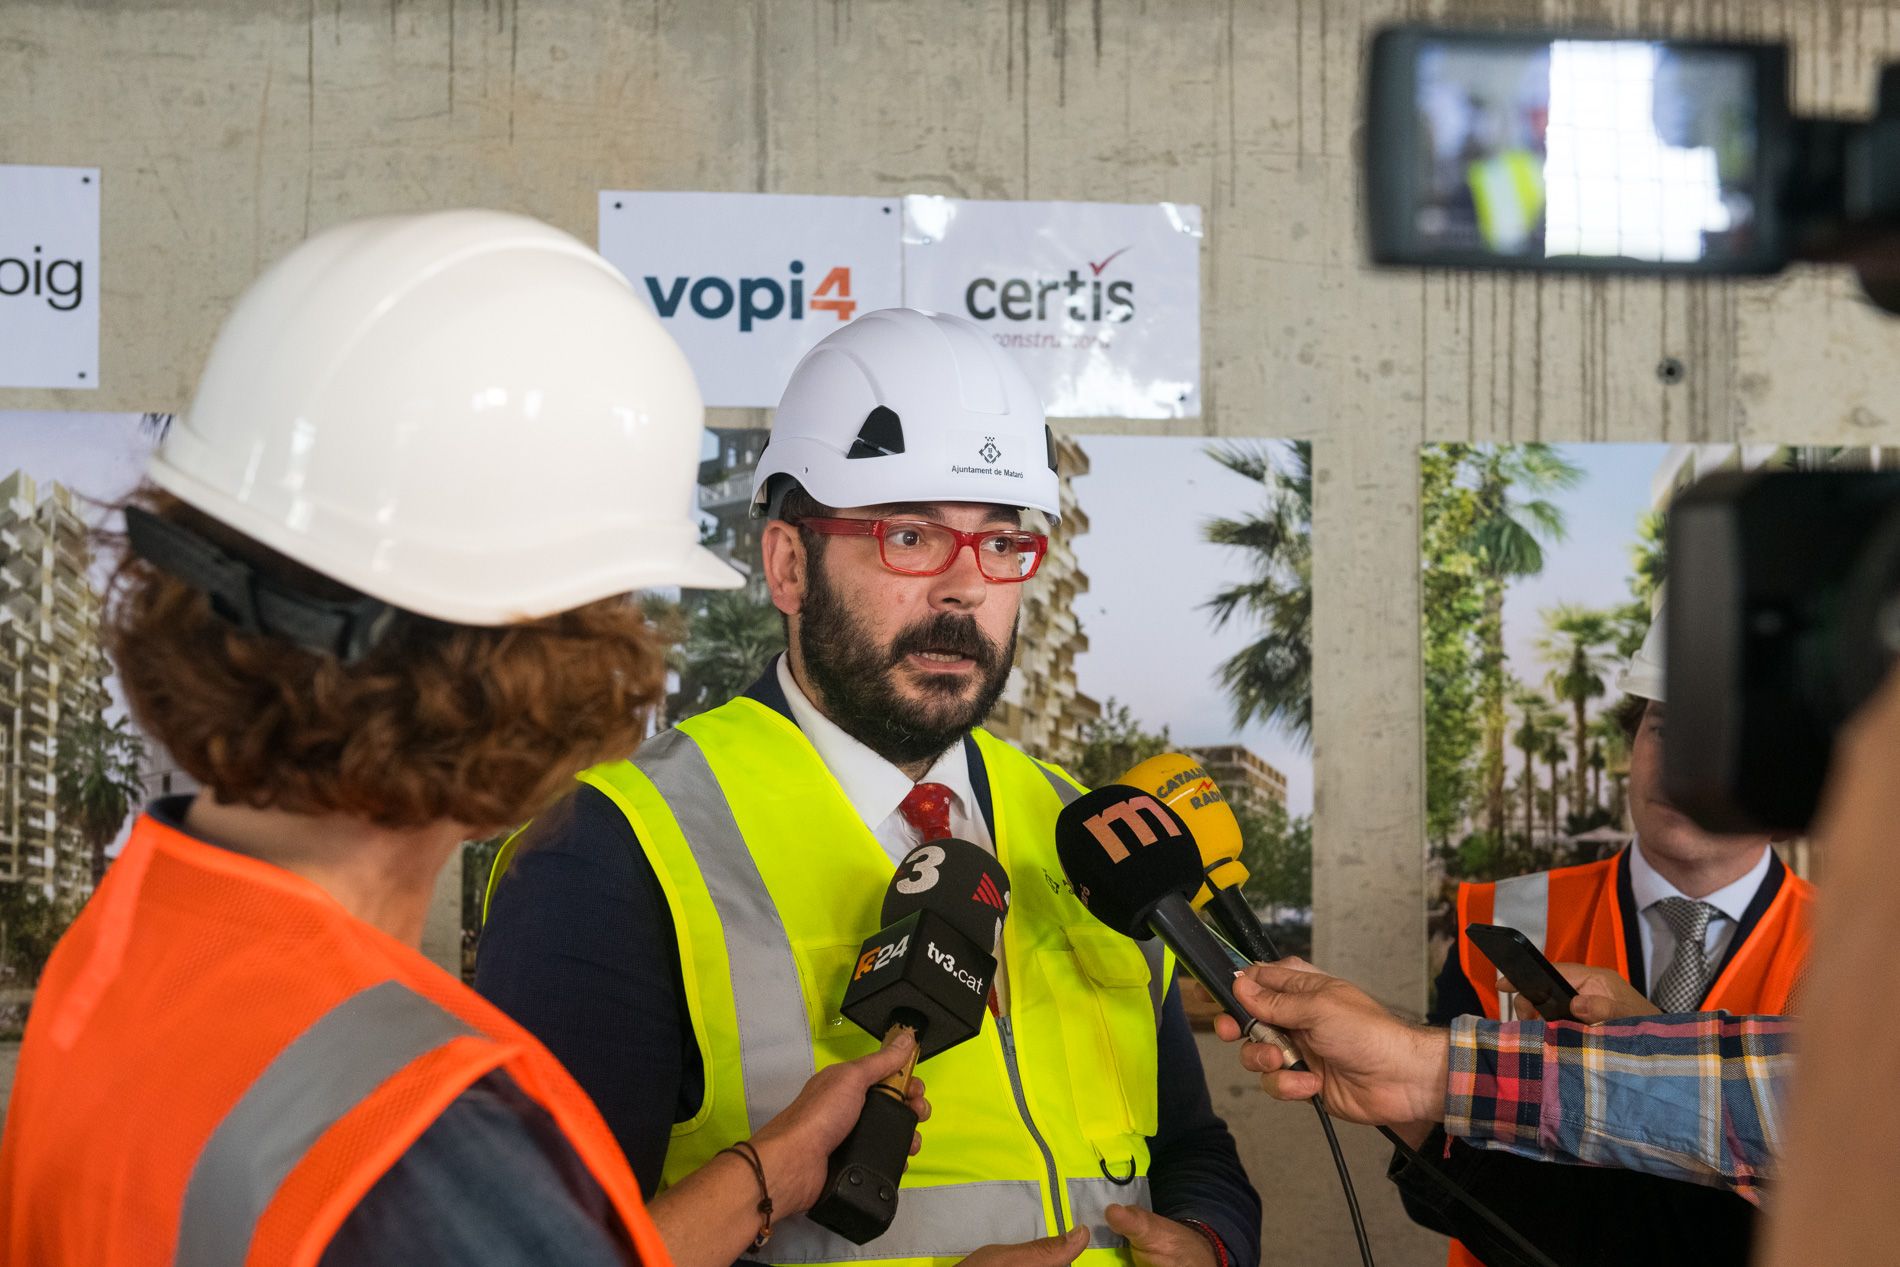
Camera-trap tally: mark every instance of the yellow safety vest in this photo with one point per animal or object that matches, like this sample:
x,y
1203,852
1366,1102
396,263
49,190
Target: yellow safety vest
x,y
1508,192
1038,1123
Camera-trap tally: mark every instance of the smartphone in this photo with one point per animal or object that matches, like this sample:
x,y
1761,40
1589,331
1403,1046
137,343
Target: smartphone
x,y
1576,152
1525,967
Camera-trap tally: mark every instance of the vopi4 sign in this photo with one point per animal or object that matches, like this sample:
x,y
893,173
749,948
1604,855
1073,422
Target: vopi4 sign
x,y
747,283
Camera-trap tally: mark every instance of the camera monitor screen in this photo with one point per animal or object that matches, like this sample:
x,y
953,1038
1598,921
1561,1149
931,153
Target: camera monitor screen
x,y
1570,153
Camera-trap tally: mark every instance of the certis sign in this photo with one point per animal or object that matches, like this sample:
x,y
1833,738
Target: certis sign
x,y
1101,302
49,276
749,282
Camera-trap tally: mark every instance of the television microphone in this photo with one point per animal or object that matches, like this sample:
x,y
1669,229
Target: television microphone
x,y
1182,784
1134,864
928,970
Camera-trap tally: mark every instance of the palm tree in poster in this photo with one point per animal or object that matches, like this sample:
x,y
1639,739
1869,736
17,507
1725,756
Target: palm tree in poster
x,y
1611,742
1575,645
1513,518
1271,679
1649,557
1554,756
732,638
96,781
1537,723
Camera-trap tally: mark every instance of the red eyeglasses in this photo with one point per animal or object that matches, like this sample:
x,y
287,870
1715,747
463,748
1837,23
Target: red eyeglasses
x,y
917,547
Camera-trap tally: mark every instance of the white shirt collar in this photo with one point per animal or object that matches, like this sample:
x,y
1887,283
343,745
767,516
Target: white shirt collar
x,y
1648,886
873,785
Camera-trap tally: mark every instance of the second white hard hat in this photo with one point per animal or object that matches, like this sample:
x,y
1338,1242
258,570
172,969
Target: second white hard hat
x,y
903,405
1643,675
467,414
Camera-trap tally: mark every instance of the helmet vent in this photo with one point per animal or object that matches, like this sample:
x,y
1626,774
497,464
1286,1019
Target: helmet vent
x,y
1049,440
881,435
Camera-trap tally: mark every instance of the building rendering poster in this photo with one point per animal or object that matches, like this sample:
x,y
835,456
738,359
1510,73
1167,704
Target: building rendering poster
x,y
1542,565
61,717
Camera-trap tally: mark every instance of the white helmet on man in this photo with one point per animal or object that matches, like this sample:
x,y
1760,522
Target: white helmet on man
x,y
903,405
467,414
1643,675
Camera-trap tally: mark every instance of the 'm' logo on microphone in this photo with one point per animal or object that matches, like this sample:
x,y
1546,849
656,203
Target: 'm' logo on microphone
x,y
1143,818
989,895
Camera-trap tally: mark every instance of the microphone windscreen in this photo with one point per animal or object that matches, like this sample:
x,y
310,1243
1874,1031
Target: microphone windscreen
x,y
960,881
1124,851
1182,784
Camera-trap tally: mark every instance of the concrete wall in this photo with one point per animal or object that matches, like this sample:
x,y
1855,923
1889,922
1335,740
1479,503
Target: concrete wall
x,y
227,131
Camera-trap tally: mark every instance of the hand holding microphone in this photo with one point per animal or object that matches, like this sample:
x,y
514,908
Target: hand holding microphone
x,y
928,974
1134,864
1365,1063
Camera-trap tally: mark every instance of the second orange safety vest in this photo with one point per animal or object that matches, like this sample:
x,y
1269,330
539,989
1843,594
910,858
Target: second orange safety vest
x,y
221,1062
1587,914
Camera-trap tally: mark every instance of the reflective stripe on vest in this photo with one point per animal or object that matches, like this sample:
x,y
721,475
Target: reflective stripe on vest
x,y
1089,1200
328,1070
765,989
930,1223
1523,903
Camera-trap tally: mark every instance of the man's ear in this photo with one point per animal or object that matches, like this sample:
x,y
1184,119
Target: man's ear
x,y
785,566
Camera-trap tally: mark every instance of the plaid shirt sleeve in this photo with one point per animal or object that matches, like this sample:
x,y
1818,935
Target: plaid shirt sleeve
x,y
1694,1097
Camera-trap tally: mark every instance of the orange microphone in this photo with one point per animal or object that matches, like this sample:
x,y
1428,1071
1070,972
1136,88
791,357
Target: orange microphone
x,y
1182,784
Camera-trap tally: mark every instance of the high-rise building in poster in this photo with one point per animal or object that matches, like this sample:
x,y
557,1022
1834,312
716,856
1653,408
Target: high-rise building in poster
x,y
1243,775
51,668
1042,709
725,497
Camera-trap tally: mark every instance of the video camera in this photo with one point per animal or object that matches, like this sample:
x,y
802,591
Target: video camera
x,y
1622,154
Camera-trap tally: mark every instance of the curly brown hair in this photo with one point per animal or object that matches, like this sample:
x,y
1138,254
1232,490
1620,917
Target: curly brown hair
x,y
480,726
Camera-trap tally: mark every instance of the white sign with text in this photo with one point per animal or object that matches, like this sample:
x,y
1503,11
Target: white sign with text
x,y
749,282
1101,302
49,276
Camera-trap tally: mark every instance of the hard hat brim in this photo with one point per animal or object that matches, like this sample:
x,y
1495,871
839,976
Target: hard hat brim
x,y
704,570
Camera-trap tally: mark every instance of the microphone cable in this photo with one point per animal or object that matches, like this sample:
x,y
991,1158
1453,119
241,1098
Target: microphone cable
x,y
1332,1143
1530,1253
1345,1182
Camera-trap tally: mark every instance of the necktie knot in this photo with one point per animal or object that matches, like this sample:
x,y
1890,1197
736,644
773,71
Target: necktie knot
x,y
1687,918
927,808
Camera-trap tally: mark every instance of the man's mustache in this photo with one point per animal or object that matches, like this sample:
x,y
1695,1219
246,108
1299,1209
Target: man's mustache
x,y
949,635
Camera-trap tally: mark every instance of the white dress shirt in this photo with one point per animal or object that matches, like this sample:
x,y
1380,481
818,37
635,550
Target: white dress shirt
x,y
1648,887
876,788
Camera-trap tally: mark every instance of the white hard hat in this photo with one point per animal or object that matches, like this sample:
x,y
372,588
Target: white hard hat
x,y
466,414
1643,675
909,406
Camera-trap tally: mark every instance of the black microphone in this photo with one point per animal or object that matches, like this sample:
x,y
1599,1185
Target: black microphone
x,y
1134,864
928,970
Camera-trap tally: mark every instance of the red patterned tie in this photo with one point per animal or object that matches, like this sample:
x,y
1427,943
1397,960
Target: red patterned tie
x,y
927,808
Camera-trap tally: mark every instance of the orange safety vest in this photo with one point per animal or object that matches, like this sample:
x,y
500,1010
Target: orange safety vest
x,y
1587,914
221,1062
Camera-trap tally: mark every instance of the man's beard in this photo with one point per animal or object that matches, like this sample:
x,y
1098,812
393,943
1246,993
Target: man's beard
x,y
857,679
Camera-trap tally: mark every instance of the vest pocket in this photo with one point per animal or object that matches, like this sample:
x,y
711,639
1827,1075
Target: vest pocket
x,y
1108,1035
825,970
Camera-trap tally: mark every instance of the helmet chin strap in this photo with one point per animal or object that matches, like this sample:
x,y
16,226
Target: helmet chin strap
x,y
347,630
